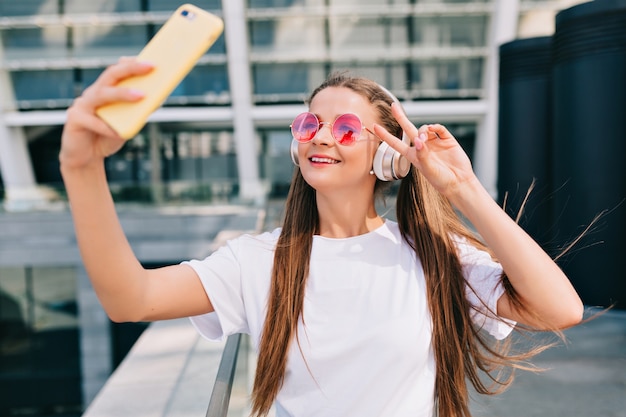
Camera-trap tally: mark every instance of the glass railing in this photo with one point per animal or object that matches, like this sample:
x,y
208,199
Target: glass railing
x,y
223,387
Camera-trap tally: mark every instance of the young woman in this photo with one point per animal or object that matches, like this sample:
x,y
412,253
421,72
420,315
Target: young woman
x,y
352,314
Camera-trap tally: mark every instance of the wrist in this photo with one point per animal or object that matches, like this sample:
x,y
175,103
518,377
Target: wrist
x,y
72,157
470,196
74,168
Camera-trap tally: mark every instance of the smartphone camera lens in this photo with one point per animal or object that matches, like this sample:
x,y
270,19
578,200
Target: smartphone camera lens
x,y
188,15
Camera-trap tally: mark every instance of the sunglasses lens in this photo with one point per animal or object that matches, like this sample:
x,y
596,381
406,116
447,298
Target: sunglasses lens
x,y
347,129
304,127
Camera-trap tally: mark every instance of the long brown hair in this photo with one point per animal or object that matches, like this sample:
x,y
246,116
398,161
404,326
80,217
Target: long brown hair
x,y
428,224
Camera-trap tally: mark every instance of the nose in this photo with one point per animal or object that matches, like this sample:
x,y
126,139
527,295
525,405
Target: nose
x,y
324,136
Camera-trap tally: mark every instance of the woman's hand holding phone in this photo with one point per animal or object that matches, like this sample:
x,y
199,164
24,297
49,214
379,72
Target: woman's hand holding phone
x,y
86,137
117,105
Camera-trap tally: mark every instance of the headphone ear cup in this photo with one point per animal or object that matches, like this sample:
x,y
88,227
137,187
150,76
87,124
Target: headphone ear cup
x,y
294,152
388,164
401,165
382,162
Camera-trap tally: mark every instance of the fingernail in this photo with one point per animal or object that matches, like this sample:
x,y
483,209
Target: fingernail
x,y
419,144
422,137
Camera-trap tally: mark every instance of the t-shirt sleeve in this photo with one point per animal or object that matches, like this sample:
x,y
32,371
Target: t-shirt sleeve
x,y
484,289
220,274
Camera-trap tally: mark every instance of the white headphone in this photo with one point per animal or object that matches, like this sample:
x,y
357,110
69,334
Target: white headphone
x,y
388,164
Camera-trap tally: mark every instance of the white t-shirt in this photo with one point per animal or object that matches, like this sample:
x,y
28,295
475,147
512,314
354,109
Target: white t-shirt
x,y
367,329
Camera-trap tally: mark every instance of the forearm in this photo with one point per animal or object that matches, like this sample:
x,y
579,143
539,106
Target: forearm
x,y
542,286
109,260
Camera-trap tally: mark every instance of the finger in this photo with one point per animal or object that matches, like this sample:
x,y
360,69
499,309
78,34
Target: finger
x,y
419,135
422,134
89,121
125,68
408,127
440,131
98,126
426,133
391,140
97,96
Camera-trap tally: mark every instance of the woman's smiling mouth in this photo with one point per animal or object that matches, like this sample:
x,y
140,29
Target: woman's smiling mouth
x,y
323,160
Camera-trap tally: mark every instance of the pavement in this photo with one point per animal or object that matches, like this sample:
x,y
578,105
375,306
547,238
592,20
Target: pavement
x,y
584,377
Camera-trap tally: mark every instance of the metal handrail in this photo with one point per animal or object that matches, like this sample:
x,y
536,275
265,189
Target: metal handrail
x,y
220,397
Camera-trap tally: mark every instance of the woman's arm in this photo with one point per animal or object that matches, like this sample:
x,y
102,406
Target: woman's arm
x,y
540,283
127,291
542,286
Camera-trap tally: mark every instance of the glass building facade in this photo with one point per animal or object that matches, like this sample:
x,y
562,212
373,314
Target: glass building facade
x,y
52,50
39,358
437,56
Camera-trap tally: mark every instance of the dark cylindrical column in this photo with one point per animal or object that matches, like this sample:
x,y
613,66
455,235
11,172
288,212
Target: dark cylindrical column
x,y
525,131
589,169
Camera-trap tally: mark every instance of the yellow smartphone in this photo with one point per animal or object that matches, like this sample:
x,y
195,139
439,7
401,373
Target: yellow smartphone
x,y
174,51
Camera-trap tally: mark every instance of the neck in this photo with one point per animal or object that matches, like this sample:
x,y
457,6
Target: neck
x,y
344,215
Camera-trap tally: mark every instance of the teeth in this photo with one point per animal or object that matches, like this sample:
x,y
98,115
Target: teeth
x,y
323,160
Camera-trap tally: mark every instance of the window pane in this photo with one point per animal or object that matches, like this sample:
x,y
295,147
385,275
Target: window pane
x,y
282,3
27,7
299,35
109,6
39,347
346,32
392,76
450,31
14,321
207,83
377,73
289,79
348,3
54,294
466,30
89,76
31,43
43,85
202,156
459,77
109,40
44,154
131,164
262,33
275,160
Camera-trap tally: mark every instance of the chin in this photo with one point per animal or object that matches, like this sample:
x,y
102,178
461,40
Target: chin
x,y
319,183
327,182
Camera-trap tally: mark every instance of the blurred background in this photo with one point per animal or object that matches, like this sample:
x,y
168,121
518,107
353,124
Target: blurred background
x,y
535,91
